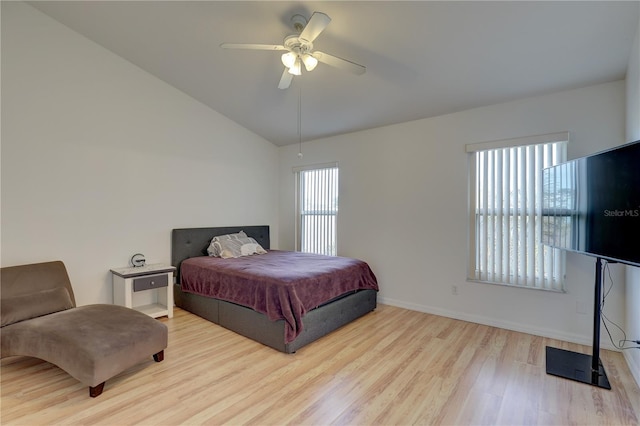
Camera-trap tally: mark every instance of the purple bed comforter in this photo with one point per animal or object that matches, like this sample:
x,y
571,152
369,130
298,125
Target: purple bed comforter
x,y
280,284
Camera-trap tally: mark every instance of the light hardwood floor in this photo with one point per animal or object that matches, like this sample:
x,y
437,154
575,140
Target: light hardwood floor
x,y
391,367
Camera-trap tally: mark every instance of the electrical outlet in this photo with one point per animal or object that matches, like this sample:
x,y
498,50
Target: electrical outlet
x,y
454,290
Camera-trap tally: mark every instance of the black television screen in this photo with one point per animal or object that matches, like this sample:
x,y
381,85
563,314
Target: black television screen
x,y
591,205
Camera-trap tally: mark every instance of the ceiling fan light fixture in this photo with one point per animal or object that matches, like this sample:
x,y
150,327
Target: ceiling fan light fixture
x,y
296,68
309,62
298,49
289,59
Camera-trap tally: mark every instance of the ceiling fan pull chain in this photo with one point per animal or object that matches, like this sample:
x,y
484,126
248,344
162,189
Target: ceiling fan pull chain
x,y
300,121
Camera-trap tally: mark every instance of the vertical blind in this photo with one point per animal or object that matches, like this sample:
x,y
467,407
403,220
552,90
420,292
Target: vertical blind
x,y
318,210
507,216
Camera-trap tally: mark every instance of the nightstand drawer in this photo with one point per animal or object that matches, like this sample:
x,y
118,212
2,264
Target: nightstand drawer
x,y
146,283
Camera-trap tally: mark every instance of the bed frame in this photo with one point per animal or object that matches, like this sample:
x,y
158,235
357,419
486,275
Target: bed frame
x,y
192,242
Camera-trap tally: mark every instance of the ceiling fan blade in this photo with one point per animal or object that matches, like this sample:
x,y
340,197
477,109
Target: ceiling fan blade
x,y
285,80
315,26
336,62
253,46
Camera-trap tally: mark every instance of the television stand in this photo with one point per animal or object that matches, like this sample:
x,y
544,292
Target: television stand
x,y
577,366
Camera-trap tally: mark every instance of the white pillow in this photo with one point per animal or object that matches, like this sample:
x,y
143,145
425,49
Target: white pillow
x,y
214,247
237,247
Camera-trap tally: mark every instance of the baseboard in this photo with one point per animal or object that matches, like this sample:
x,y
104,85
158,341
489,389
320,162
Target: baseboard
x,y
634,365
507,325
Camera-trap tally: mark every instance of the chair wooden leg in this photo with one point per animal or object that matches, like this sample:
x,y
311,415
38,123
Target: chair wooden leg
x,y
96,390
159,356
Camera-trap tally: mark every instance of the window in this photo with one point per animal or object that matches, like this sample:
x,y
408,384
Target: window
x,y
317,207
506,212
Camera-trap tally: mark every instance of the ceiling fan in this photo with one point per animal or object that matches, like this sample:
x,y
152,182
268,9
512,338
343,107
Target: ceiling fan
x,y
299,48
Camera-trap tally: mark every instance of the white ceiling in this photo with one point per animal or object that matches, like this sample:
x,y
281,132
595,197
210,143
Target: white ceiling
x,y
423,59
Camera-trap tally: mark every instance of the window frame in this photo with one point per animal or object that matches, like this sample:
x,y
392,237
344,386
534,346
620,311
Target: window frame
x,y
559,255
298,204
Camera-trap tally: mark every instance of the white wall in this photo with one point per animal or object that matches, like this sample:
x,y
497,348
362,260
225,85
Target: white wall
x,y
100,159
403,208
632,296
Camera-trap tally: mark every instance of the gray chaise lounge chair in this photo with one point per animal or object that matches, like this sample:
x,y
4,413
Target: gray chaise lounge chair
x,y
92,343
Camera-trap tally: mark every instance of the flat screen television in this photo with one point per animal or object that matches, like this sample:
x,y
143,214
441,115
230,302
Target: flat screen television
x,y
591,205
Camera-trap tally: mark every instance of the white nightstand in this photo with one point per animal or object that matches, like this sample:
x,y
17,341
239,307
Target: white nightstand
x,y
148,289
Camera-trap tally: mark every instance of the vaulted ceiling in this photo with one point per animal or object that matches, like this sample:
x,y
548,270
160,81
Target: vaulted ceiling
x,y
423,59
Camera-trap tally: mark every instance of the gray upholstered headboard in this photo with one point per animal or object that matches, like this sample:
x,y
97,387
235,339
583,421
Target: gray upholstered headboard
x,y
192,242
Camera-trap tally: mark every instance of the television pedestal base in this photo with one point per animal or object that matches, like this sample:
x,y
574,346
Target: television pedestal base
x,y
580,367
575,366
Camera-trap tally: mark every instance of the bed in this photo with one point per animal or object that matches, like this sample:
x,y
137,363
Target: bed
x,y
286,334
